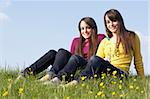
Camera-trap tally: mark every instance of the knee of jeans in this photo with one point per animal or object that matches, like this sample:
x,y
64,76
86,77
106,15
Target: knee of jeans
x,y
52,52
95,61
60,49
63,51
95,58
73,57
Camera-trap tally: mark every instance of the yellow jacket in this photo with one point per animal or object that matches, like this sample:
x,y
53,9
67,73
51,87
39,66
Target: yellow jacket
x,y
119,59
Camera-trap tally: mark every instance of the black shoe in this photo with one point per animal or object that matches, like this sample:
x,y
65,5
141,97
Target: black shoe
x,y
26,72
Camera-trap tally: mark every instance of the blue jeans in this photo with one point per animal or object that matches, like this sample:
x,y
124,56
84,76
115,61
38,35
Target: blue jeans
x,y
57,59
75,62
97,65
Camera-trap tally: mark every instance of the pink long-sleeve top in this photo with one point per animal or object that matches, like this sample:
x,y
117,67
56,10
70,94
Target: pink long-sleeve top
x,y
86,45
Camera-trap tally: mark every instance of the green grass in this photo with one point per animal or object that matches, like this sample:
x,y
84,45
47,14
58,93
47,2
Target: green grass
x,y
106,88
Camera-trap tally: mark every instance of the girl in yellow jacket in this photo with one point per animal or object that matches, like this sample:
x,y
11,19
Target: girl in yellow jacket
x,y
116,51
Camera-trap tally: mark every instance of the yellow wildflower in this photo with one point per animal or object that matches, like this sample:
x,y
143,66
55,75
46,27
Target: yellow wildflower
x,y
108,69
122,75
114,83
103,87
137,87
67,97
95,75
120,81
131,86
113,93
120,87
114,73
83,85
99,93
5,94
142,92
102,77
20,91
103,74
101,84
83,78
121,95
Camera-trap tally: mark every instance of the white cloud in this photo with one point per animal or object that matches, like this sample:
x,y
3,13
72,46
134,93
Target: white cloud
x,y
4,4
3,18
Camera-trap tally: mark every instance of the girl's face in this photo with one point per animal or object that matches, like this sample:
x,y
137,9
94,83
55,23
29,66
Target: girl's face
x,y
86,30
113,26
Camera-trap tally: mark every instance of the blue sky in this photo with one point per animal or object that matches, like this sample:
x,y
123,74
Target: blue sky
x,y
30,28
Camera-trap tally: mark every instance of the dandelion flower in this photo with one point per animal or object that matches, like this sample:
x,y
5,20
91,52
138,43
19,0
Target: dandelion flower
x,y
113,93
83,78
142,92
83,85
103,74
108,69
20,91
102,77
67,97
103,87
99,93
121,95
120,81
131,86
120,87
114,83
122,75
137,88
114,73
101,84
5,94
95,75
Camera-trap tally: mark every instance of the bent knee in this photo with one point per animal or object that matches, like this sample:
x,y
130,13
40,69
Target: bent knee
x,y
96,58
52,52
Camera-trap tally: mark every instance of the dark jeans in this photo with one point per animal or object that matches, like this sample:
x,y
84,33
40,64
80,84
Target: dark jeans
x,y
71,67
97,65
57,59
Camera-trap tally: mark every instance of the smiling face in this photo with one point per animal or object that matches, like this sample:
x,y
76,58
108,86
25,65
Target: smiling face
x,y
112,26
86,30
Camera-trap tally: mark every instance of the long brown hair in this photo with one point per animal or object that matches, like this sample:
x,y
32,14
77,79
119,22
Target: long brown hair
x,y
126,37
93,40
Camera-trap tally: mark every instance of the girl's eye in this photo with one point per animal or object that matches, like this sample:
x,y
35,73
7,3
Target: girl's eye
x,y
88,27
107,22
114,20
82,28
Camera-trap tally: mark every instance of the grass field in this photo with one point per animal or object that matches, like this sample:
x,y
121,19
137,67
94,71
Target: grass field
x,y
108,87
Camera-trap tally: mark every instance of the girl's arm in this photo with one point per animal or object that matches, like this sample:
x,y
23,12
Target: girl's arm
x,y
138,57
